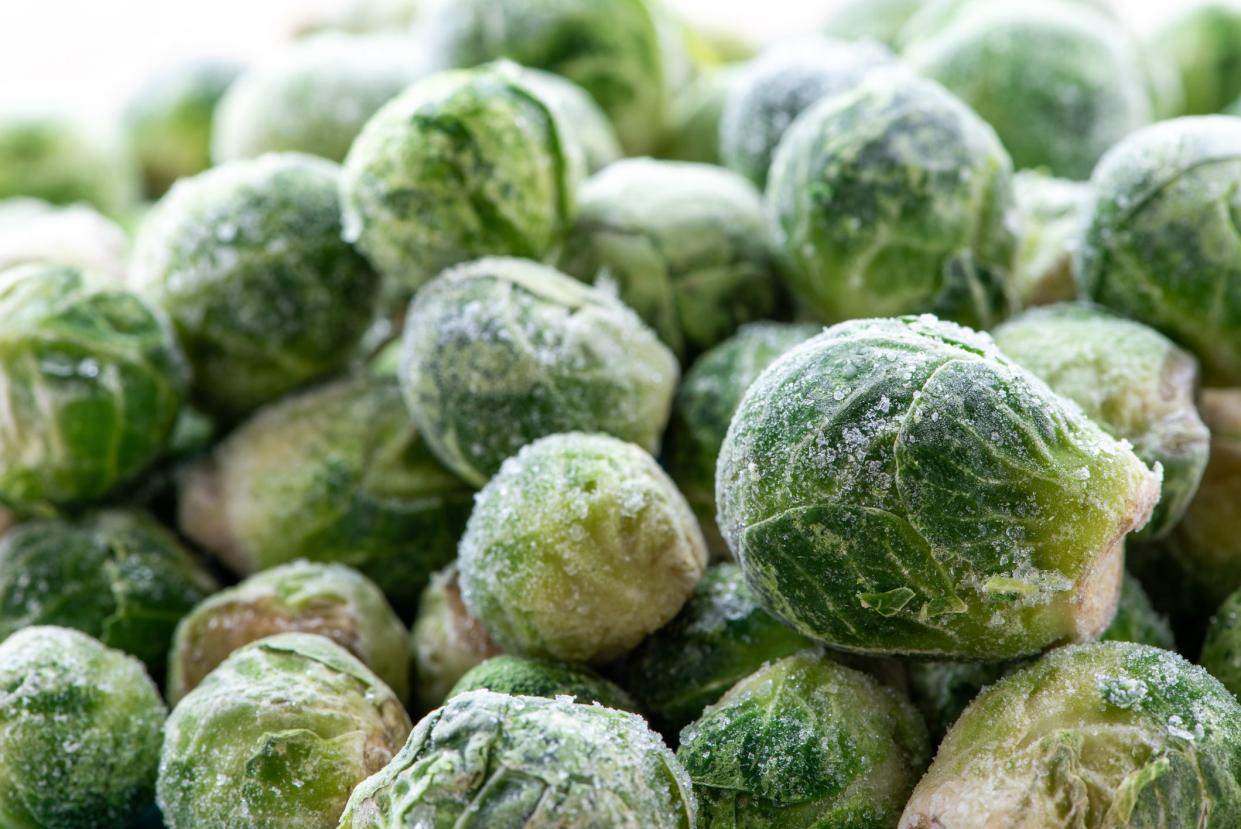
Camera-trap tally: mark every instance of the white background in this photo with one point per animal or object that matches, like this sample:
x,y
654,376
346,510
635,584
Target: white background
x,y
87,56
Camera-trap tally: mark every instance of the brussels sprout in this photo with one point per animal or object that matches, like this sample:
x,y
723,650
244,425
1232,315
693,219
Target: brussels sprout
x,y
880,20
779,85
446,641
77,236
705,402
1129,379
328,599
91,382
1203,41
43,157
628,54
461,165
1105,734
693,129
170,121
79,732
248,261
1060,83
578,548
686,245
334,474
277,736
498,761
805,743
580,115
899,486
314,96
895,198
720,636
500,352
1051,211
1221,652
116,575
1159,243
532,677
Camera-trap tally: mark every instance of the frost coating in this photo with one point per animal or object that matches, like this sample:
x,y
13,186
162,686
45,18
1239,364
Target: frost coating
x,y
276,737
500,352
76,236
446,641
720,637
1050,211
330,600
314,96
524,762
1110,734
533,677
580,115
780,84
801,744
1221,652
116,575
895,198
578,548
1202,42
79,732
899,486
1060,83
90,385
705,402
685,245
1159,240
461,165
248,262
1131,380
335,474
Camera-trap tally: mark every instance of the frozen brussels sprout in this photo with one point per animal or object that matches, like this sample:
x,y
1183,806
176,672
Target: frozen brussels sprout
x,y
805,743
685,245
693,129
276,737
533,677
1050,211
1159,243
628,54
313,96
461,165
578,548
895,198
1221,652
720,636
880,20
328,599
1203,41
500,352
899,486
91,381
1128,378
170,121
77,236
446,641
334,474
1105,734
502,761
580,115
79,732
116,575
1060,83
44,157
779,85
265,296
705,402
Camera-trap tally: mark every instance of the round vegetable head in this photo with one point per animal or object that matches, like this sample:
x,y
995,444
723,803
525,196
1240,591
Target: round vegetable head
x,y
1050,211
1202,41
57,161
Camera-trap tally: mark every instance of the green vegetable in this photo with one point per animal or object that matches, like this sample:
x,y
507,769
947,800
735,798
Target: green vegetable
x,y
532,677
693,129
899,486
580,115
805,743
45,157
500,352
499,761
895,198
1203,41
1221,652
446,641
79,732
276,737
578,548
1051,211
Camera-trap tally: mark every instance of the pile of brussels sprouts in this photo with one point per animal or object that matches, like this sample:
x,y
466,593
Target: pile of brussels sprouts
x,y
540,414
